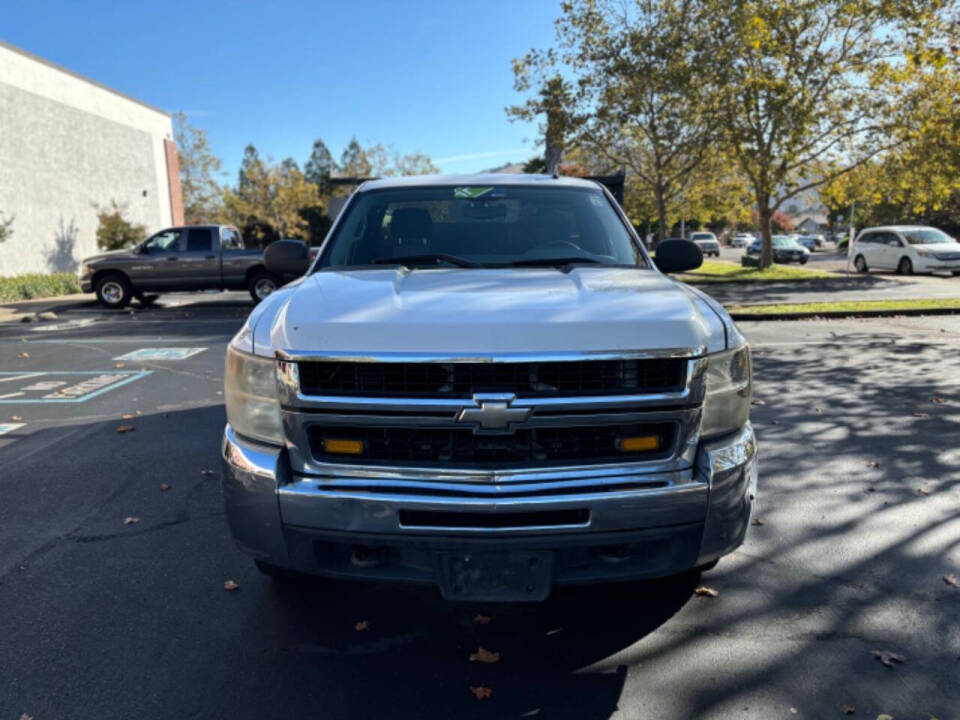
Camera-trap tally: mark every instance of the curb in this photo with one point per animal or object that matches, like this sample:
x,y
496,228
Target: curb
x,y
834,314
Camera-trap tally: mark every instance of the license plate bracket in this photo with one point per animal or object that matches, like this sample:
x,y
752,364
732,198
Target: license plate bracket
x,y
496,576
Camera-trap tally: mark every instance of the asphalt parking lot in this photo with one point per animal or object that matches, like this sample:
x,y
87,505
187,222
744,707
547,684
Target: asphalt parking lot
x,y
114,553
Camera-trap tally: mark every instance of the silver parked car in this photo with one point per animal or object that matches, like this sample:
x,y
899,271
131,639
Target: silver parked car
x,y
707,242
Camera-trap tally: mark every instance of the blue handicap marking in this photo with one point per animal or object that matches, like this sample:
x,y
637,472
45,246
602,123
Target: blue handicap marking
x,y
69,386
161,354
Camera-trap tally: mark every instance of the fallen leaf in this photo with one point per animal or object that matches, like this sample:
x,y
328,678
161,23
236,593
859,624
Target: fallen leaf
x,y
793,711
848,709
482,619
870,489
119,365
164,487
23,355
125,428
481,692
206,471
922,491
230,585
362,625
888,658
139,413
485,656
127,416
934,400
24,716
757,521
775,422
704,591
130,520
818,410
871,463
219,392
951,579
757,402
15,418
921,415
884,716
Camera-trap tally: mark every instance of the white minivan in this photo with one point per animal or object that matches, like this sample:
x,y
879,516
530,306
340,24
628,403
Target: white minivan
x,y
906,249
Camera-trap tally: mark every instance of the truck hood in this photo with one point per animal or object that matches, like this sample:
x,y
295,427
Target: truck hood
x,y
489,312
109,255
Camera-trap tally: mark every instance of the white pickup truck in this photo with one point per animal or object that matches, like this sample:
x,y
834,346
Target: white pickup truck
x,y
484,383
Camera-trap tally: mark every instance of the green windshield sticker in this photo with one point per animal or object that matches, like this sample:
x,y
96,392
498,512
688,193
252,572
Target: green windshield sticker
x,y
470,192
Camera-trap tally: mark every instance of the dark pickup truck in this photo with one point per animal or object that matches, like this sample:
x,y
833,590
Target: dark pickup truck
x,y
197,257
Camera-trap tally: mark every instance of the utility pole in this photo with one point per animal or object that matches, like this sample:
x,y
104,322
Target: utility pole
x,y
851,233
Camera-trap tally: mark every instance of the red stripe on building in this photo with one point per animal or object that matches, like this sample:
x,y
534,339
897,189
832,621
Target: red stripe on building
x,y
173,182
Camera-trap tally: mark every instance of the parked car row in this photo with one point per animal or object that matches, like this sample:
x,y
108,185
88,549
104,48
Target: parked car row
x,y
785,249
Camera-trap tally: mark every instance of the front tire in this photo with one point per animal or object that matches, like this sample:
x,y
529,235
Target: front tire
x,y
261,284
905,267
114,291
860,264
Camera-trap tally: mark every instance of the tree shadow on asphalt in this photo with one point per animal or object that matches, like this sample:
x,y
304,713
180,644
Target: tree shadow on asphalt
x,y
776,292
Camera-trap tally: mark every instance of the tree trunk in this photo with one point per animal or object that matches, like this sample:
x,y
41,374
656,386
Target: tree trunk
x,y
766,234
661,215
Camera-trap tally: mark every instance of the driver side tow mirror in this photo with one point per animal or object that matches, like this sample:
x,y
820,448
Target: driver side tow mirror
x,y
678,256
287,257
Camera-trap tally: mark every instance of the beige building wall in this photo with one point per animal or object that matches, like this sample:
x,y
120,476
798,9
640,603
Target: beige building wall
x,y
66,144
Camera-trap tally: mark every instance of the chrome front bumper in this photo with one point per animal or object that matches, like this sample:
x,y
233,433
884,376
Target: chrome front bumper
x,y
641,525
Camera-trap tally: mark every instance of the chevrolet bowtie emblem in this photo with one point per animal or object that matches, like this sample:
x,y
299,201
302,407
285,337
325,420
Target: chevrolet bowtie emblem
x,y
493,414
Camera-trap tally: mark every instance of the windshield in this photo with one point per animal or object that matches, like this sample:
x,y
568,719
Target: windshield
x,y
474,226
926,236
702,236
784,242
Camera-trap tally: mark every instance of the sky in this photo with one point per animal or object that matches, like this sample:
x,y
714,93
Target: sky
x,y
416,75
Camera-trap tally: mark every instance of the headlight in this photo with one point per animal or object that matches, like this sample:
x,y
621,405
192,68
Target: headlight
x,y
250,391
86,270
729,384
923,253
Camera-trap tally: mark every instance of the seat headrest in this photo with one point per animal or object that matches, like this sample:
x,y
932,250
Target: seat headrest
x,y
411,224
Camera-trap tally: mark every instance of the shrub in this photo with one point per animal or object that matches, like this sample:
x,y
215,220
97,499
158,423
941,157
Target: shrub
x,y
115,232
37,285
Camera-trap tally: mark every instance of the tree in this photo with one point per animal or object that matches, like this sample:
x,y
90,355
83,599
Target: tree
x,y
354,161
810,90
6,230
268,199
637,91
320,166
114,231
198,169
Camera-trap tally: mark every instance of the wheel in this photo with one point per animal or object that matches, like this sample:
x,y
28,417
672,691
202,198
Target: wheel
x,y
803,260
114,291
277,573
262,284
956,273
860,264
905,267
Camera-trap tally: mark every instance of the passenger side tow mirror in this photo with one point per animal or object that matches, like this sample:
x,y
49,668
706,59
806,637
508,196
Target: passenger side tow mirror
x,y
287,257
678,256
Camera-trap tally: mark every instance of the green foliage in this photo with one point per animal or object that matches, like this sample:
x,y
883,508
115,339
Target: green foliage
x,y
198,167
319,167
35,285
114,232
6,224
535,165
627,84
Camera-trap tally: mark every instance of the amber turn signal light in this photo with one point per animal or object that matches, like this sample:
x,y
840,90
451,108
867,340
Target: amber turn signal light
x,y
342,447
639,444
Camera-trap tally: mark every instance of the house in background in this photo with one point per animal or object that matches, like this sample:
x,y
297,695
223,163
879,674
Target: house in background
x,y
810,223
68,143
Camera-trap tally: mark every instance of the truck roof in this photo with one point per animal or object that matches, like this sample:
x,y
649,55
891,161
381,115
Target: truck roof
x,y
476,179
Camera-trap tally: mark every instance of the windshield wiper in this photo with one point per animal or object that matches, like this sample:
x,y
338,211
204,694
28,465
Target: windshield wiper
x,y
434,258
564,263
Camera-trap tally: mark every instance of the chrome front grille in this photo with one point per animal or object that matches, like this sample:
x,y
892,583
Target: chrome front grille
x,y
571,435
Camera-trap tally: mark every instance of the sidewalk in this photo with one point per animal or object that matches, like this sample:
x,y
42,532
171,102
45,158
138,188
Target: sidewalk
x,y
15,311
